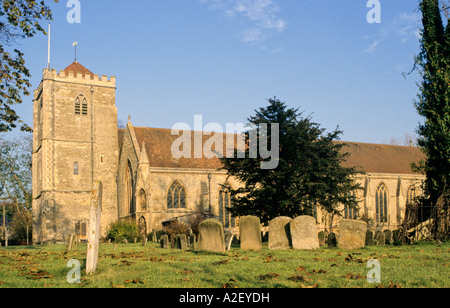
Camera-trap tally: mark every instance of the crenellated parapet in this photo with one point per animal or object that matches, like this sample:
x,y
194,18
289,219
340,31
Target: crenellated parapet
x,y
80,77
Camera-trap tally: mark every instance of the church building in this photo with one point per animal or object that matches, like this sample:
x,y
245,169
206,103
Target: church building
x,y
77,141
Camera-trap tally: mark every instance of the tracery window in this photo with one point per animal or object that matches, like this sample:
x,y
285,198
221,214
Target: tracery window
x,y
349,211
81,106
411,195
225,203
176,196
381,202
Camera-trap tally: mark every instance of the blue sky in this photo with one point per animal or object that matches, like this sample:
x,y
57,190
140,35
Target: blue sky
x,y
223,59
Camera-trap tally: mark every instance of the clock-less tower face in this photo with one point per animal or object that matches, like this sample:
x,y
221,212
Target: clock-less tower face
x,y
74,143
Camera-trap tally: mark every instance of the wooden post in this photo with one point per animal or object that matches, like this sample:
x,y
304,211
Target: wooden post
x,y
94,228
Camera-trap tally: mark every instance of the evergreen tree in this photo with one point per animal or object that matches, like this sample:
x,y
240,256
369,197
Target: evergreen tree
x,y
309,174
433,101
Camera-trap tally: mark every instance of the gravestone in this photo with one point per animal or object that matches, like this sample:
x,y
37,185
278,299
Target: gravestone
x,y
144,241
369,238
192,240
210,236
164,241
387,236
352,234
181,241
304,233
332,240
94,227
379,238
154,238
322,238
250,233
173,244
279,233
397,237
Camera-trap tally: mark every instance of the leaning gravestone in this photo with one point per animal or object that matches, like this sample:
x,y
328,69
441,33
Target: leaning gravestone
x,y
94,228
71,241
229,235
379,238
279,233
304,233
210,236
352,234
250,233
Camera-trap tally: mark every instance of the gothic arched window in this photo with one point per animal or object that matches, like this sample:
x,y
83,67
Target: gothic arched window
x,y
225,216
77,105
176,196
411,195
142,200
129,189
81,106
84,107
349,211
381,202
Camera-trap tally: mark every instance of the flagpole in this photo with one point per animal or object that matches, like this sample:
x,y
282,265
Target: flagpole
x,y
48,47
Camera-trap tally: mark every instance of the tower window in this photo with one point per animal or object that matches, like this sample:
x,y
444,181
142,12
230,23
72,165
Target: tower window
x,y
77,106
81,106
84,107
76,170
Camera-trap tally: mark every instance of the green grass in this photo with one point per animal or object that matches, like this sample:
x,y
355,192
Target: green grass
x,y
132,265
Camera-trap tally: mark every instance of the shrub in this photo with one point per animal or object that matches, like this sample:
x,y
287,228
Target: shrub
x,y
177,227
121,230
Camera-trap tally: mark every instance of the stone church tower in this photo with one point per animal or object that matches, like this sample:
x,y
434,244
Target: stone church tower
x,y
75,143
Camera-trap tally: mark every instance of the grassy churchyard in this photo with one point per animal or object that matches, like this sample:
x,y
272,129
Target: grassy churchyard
x,y
424,265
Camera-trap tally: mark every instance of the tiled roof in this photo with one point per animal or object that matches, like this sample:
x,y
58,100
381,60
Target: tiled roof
x,y
382,158
76,67
372,158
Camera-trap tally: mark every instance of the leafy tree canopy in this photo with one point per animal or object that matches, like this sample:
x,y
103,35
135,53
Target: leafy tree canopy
x,y
19,19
